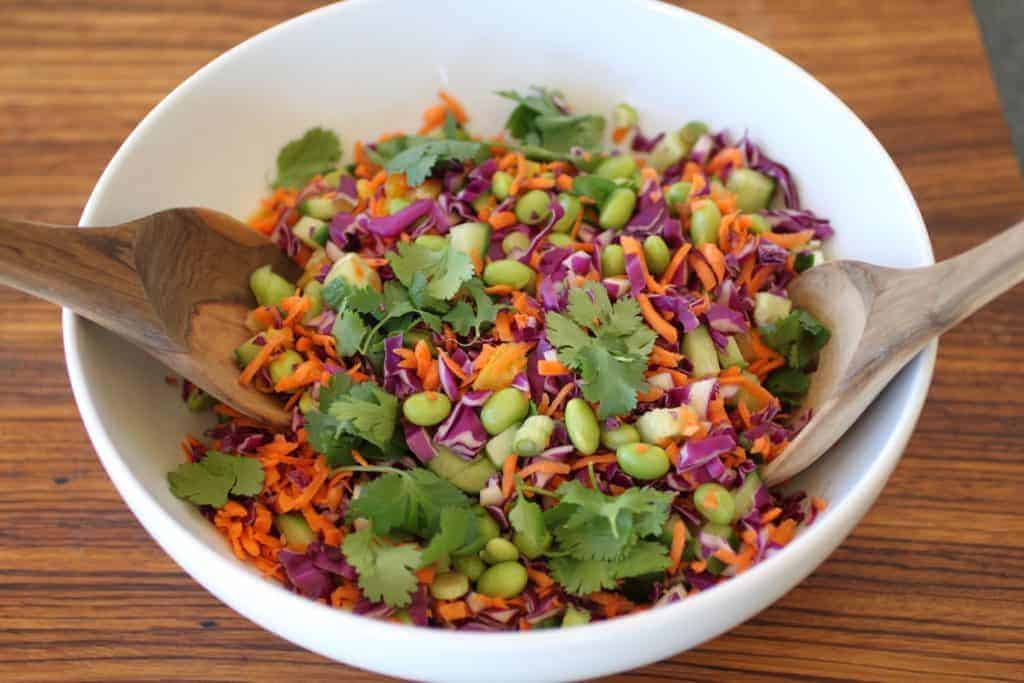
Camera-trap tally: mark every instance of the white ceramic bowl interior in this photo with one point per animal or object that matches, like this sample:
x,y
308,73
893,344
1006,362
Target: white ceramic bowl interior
x,y
366,67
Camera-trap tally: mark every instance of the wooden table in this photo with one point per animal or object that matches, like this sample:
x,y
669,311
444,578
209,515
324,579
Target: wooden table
x,y
929,587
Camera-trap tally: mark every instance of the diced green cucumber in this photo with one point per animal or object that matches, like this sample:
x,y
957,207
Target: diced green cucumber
x,y
333,179
669,150
198,401
268,287
319,207
758,223
355,271
753,189
501,446
743,497
725,532
315,291
659,424
312,232
296,531
307,404
246,352
534,435
472,239
469,475
284,365
770,308
731,356
432,242
700,349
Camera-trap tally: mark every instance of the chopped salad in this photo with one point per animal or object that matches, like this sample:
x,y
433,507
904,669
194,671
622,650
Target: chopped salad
x,y
532,377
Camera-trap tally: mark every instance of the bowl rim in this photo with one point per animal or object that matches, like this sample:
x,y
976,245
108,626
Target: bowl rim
x,y
829,530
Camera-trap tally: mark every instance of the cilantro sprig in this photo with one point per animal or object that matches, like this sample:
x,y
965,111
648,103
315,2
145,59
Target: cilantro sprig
x,y
318,150
798,337
353,416
607,344
386,571
539,122
418,160
209,481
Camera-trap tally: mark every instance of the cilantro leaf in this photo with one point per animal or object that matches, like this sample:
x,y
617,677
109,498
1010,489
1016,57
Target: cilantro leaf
x,y
410,501
354,416
209,481
435,274
349,331
788,384
464,317
527,519
540,120
600,527
318,150
582,577
386,572
339,294
798,337
593,186
458,529
450,130
418,161
607,344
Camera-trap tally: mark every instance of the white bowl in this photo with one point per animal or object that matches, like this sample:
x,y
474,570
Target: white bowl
x,y
364,68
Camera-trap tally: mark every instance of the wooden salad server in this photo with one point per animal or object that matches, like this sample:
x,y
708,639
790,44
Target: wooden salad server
x,y
880,318
175,283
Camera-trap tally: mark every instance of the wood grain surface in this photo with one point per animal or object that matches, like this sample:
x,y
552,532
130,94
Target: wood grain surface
x,y
930,587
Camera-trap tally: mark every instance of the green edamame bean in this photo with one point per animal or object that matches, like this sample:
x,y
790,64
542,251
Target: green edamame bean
x,y
617,209
622,166
284,365
657,254
677,194
432,242
427,408
559,239
572,206
642,460
508,272
469,565
499,550
268,287
504,409
581,423
758,223
515,241
613,261
704,224
449,586
533,207
530,545
623,435
396,204
575,617
714,502
505,580
501,184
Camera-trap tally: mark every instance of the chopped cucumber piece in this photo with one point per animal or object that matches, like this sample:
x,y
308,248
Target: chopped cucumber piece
x,y
469,475
701,350
501,446
770,308
472,239
432,242
355,271
743,497
296,531
753,190
315,291
731,356
312,232
284,365
669,150
534,436
246,352
268,287
659,424
319,207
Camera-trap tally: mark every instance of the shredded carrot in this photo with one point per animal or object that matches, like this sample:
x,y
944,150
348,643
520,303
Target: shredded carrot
x,y
539,578
452,611
672,451
612,603
715,258
275,340
304,374
499,290
454,106
665,358
499,367
423,360
760,279
520,176
540,183
752,388
788,240
673,266
603,459
545,466
818,503
502,219
729,156
562,394
426,574
652,394
564,182
508,475
784,533
675,552
704,273
551,368
716,411
654,319
770,515
452,365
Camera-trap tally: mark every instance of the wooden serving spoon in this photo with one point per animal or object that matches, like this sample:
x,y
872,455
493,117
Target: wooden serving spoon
x,y
176,283
880,319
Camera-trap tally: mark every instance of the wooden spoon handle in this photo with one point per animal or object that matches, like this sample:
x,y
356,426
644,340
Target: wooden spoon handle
x,y
91,271
964,284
